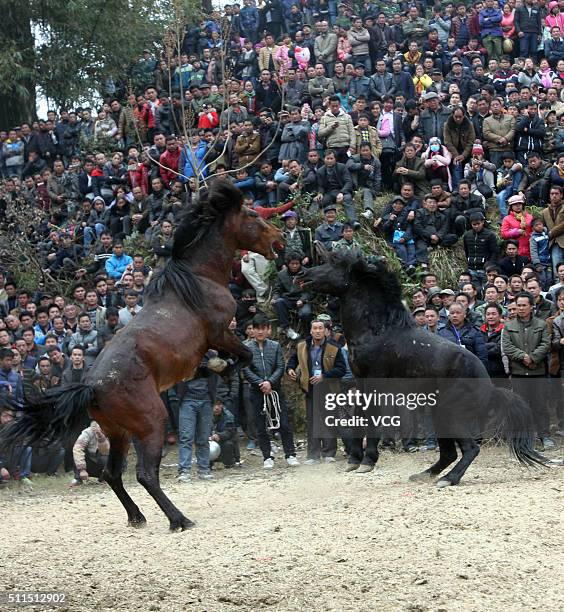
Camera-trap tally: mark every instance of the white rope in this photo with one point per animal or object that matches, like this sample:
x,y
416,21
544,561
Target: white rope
x,y
271,409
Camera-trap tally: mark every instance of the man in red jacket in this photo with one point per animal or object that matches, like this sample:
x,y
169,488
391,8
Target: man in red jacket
x,y
169,161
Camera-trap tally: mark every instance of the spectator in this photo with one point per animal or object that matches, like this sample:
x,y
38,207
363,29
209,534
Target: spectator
x,y
90,454
290,299
517,225
118,263
526,343
264,374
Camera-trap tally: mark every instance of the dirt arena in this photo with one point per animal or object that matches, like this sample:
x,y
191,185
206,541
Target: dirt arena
x,y
307,538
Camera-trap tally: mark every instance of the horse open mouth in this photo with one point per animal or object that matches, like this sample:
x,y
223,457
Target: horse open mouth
x,y
275,248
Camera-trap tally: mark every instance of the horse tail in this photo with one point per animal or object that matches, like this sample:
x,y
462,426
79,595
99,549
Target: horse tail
x,y
51,416
516,425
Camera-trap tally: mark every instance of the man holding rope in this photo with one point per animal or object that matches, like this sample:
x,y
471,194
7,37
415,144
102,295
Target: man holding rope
x,y
264,374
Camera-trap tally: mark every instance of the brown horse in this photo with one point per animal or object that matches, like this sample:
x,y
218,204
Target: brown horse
x,y
187,311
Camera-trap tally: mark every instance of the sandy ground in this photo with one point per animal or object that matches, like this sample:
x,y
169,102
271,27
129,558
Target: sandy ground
x,y
307,538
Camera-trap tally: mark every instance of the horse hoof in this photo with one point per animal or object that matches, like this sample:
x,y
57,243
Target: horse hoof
x,y
137,523
351,467
182,525
441,484
420,477
364,468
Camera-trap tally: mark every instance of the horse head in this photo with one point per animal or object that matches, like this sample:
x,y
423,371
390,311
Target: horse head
x,y
243,225
341,272
221,220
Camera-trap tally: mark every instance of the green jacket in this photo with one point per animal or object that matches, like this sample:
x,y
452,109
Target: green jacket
x,y
518,340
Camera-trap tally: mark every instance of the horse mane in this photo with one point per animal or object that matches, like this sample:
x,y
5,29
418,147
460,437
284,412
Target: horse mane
x,y
197,223
378,285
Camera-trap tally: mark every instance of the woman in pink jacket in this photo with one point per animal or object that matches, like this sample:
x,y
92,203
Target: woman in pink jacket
x,y
437,160
518,224
555,18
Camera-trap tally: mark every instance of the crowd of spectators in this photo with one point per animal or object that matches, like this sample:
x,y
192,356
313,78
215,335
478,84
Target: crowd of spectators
x,y
454,113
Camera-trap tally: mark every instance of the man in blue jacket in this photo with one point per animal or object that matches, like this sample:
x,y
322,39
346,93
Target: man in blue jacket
x,y
118,263
490,24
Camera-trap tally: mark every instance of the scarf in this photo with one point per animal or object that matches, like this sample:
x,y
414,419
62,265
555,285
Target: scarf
x,y
521,218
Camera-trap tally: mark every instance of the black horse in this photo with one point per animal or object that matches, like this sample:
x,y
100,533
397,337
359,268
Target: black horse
x,y
385,343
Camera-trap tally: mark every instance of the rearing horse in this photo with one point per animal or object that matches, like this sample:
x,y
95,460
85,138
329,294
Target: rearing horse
x,y
187,311
384,343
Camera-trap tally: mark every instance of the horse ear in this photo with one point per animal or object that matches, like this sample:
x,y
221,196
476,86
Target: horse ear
x,y
224,196
322,251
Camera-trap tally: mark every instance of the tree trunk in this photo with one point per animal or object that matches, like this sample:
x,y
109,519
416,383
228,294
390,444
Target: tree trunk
x,y
16,18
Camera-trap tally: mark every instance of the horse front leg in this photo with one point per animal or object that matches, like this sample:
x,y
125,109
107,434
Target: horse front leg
x,y
230,344
447,455
470,450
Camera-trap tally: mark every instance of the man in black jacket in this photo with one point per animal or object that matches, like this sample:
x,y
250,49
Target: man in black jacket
x,y
431,230
288,297
264,374
335,186
480,247
462,205
528,25
529,133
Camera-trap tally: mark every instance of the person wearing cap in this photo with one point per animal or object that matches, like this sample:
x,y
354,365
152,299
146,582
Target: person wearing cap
x,y
398,230
434,297
480,173
297,240
480,246
326,47
360,83
517,225
458,77
433,118
330,230
419,315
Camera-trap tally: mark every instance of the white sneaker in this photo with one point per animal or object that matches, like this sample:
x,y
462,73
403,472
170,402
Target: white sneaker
x,y
268,463
184,477
367,214
311,461
292,334
329,459
292,461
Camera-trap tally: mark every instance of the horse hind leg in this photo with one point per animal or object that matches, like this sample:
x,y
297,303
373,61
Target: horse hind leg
x,y
113,476
447,455
470,451
149,453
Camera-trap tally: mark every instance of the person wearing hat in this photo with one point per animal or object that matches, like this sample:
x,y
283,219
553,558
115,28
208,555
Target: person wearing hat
x,y
398,231
224,433
419,315
433,118
330,230
434,297
480,172
480,247
297,240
